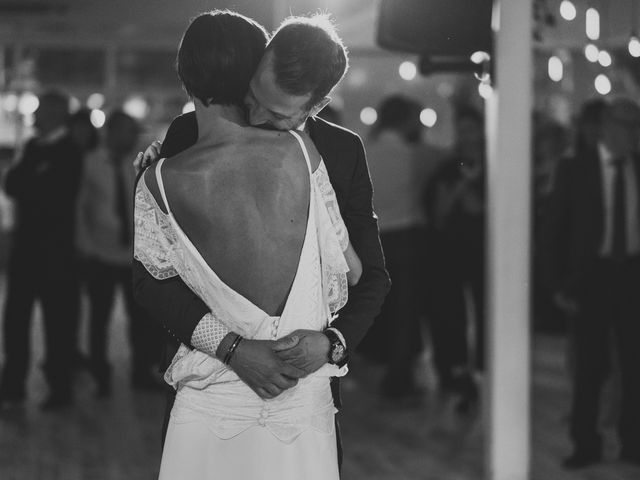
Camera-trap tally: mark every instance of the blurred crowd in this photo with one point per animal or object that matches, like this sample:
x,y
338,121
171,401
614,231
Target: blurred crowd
x,y
585,258
73,189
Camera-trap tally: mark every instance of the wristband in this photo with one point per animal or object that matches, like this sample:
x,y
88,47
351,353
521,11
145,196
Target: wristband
x,y
232,349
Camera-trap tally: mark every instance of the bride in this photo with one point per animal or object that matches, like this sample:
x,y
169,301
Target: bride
x,y
241,218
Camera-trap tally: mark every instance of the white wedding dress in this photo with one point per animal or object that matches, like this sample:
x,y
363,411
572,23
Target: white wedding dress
x,y
219,428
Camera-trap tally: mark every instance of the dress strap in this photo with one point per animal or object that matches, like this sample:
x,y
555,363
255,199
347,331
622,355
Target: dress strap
x,y
304,149
161,185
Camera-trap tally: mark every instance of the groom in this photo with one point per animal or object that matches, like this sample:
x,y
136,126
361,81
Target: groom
x,y
301,65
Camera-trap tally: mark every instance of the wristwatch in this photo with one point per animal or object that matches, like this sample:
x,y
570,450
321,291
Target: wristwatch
x,y
337,351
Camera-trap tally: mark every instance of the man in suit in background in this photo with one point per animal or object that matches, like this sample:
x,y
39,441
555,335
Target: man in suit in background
x,y
44,184
105,245
591,239
301,65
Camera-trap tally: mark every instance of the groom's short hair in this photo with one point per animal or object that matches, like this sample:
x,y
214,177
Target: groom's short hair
x,y
218,54
309,56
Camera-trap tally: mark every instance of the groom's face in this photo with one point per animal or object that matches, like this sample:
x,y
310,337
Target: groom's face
x,y
269,106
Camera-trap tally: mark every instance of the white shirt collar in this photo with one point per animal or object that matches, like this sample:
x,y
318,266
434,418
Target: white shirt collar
x,y
606,156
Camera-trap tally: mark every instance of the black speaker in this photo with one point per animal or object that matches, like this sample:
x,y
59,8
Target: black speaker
x,y
436,27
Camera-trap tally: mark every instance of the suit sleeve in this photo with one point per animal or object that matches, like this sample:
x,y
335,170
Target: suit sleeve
x,y
56,177
365,298
170,301
19,178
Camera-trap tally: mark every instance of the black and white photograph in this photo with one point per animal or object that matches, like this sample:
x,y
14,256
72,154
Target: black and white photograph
x,y
320,239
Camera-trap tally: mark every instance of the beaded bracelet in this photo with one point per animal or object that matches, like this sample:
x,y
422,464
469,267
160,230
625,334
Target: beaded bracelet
x,y
232,349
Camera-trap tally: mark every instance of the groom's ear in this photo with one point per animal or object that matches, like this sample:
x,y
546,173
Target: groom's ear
x,y
319,106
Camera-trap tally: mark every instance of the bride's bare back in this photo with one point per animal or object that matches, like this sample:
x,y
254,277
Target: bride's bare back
x,y
243,202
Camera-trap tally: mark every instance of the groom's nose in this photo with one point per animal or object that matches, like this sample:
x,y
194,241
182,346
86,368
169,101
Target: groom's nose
x,y
258,116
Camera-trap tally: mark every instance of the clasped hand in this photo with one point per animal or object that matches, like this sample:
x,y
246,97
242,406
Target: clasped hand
x,y
269,367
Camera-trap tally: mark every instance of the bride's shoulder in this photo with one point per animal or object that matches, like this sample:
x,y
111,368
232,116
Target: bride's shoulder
x,y
150,180
291,144
270,138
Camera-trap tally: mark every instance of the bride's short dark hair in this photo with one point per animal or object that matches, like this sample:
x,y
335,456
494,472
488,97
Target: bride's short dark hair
x,y
309,56
218,54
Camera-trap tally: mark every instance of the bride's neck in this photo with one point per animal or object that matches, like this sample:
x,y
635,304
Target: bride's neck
x,y
214,120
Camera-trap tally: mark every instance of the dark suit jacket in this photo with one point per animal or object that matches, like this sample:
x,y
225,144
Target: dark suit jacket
x,y
573,223
44,185
179,310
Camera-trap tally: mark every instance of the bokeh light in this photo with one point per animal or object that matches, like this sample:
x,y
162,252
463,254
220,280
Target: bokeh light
x,y
97,118
592,24
634,46
591,52
95,101
368,115
428,117
485,90
28,103
568,10
604,58
137,107
555,69
479,57
408,70
602,84
10,102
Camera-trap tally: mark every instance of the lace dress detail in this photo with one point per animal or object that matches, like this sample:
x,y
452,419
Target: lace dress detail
x,y
206,388
331,203
155,241
333,240
208,334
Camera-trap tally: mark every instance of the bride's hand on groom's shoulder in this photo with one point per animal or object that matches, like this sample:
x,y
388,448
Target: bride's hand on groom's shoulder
x,y
310,353
258,364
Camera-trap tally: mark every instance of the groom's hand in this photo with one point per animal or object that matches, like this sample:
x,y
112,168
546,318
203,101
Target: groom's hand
x,y
310,353
258,365
146,158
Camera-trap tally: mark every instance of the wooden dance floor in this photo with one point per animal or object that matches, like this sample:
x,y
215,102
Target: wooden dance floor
x,y
119,438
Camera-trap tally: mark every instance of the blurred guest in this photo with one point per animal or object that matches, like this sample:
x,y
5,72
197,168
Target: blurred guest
x,y
44,184
455,201
592,259
82,131
399,163
105,241
550,146
588,125
85,136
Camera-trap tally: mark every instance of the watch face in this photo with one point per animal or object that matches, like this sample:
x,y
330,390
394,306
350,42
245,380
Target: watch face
x,y
337,352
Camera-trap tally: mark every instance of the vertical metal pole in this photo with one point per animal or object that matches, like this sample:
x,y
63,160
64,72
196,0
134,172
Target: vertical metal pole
x,y
509,176
18,58
3,71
